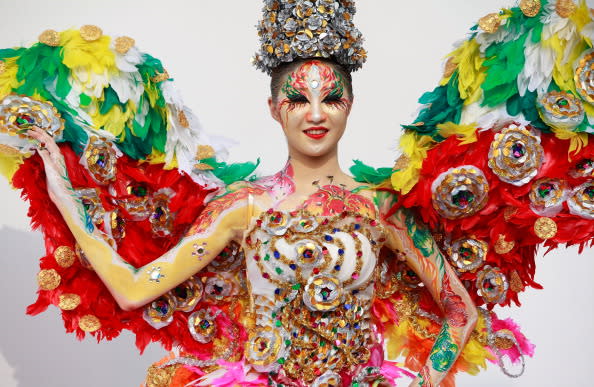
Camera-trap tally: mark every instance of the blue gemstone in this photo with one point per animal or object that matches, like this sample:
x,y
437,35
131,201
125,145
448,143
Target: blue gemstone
x,y
277,291
357,226
347,306
356,325
336,230
337,267
328,238
355,291
293,266
276,254
340,251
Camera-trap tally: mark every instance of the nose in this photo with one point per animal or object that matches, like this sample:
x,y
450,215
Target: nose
x,y
316,113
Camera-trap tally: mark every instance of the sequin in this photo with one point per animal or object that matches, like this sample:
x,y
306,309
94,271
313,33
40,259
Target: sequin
x,y
516,155
187,295
581,201
468,254
545,228
19,114
490,23
50,38
584,76
561,110
99,157
123,44
90,33
547,196
69,301
491,284
460,192
159,313
530,8
203,326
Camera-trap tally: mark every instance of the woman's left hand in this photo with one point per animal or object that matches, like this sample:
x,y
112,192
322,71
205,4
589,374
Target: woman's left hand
x,y
55,166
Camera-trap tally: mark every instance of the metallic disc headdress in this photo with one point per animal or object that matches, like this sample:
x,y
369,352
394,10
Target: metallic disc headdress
x,y
292,29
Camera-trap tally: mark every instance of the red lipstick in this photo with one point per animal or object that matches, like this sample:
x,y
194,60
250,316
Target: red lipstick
x,y
316,132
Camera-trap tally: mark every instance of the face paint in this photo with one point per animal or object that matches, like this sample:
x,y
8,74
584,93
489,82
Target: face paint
x,y
313,109
314,81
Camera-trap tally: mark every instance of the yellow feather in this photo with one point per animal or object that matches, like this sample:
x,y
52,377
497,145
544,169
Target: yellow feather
x,y
9,164
471,72
581,16
415,147
114,121
465,133
8,79
96,55
577,140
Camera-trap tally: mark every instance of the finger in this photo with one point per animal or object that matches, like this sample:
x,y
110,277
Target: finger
x,y
46,141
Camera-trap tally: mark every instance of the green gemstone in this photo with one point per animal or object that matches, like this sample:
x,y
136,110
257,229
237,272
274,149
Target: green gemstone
x,y
287,343
322,343
278,323
281,360
267,257
296,287
279,270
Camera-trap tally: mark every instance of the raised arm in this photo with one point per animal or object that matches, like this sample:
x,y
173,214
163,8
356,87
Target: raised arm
x,y
220,223
406,235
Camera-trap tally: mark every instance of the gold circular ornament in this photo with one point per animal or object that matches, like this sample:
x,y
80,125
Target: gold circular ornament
x,y
69,301
2,67
450,67
160,377
545,228
530,8
460,192
502,246
90,33
50,38
89,323
323,293
584,76
123,44
490,23
565,8
48,279
516,155
64,256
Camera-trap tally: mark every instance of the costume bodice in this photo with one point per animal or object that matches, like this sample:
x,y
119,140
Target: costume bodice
x,y
312,284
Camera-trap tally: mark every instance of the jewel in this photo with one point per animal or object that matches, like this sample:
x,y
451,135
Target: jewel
x,y
460,192
328,238
518,150
89,323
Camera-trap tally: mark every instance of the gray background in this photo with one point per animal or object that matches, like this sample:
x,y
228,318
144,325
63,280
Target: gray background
x,y
206,46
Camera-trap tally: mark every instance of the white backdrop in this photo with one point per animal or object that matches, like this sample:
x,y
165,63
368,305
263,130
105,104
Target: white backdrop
x,y
206,47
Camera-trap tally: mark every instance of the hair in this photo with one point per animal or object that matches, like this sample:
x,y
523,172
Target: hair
x,y
280,72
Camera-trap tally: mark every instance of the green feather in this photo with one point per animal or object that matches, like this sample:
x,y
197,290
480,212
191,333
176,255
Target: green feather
x,y
363,173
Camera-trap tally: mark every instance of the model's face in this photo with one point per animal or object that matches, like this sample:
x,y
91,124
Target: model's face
x,y
312,107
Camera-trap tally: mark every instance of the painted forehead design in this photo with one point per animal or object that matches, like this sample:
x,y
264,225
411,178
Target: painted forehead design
x,y
314,78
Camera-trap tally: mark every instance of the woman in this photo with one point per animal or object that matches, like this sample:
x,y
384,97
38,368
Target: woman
x,y
319,177
311,99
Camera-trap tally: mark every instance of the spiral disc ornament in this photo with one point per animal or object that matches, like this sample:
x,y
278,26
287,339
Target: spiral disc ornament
x,y
516,155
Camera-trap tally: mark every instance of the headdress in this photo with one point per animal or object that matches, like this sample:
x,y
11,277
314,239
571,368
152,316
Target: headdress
x,y
292,29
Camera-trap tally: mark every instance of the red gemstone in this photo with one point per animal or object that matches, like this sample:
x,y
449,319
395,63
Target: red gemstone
x,y
257,257
373,223
270,211
316,270
265,275
359,253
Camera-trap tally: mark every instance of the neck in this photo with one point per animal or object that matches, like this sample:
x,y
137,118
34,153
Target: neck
x,y
307,169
